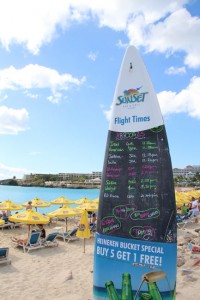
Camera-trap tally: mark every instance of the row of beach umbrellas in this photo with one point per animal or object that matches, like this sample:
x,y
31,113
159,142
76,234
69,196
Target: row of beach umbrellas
x,y
37,202
185,197
33,217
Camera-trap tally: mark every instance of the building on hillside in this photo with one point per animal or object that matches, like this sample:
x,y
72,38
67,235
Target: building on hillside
x,y
188,171
68,176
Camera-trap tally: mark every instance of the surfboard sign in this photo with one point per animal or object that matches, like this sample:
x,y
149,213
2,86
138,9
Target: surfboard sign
x,y
136,239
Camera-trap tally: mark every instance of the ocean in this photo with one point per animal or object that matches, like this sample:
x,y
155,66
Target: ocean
x,y
20,194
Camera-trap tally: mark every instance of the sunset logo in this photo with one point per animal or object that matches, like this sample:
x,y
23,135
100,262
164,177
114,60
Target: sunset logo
x,y
131,96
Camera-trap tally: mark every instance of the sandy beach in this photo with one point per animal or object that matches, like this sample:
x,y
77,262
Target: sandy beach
x,y
65,272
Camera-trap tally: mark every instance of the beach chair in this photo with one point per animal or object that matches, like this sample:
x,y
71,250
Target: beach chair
x,y
50,240
4,256
93,229
182,224
6,225
68,236
32,243
17,225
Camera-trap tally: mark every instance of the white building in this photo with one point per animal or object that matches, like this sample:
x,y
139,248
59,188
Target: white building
x,y
188,171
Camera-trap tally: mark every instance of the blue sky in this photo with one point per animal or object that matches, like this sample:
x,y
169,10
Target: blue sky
x,y
59,64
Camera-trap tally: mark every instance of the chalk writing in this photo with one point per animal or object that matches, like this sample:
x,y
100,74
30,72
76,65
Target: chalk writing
x,y
109,224
133,174
113,172
114,156
114,147
152,196
150,160
110,185
157,129
169,237
149,145
148,183
146,233
145,214
130,135
108,195
112,162
123,211
152,155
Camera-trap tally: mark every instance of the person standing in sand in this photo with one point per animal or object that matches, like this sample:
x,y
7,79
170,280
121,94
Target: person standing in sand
x,y
195,208
29,206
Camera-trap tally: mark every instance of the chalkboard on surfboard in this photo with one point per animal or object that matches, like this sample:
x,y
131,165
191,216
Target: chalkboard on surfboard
x,y
136,239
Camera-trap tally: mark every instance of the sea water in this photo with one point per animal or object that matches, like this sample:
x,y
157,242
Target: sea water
x,y
20,194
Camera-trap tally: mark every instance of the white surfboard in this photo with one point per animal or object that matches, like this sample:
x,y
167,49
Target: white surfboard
x,y
135,244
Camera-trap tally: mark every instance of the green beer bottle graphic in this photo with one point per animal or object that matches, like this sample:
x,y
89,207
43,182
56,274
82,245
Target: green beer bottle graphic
x,y
150,279
127,293
174,294
111,291
146,296
154,291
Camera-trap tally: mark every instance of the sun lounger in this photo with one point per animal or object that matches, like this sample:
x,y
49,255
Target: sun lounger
x,y
6,225
50,240
32,243
68,236
93,229
4,256
182,224
17,225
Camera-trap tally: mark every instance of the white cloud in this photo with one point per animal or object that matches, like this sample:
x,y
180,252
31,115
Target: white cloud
x,y
186,101
7,172
92,56
31,95
178,32
32,23
38,77
107,113
164,26
175,70
55,98
120,44
13,121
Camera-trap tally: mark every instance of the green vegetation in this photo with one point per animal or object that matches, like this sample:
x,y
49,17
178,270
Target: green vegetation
x,y
193,181
9,182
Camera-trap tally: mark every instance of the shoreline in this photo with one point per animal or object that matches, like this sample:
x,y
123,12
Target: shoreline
x,y
68,186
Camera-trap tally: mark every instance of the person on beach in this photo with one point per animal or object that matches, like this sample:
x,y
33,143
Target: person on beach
x,y
19,241
8,213
5,217
93,223
42,230
29,206
195,208
94,219
184,210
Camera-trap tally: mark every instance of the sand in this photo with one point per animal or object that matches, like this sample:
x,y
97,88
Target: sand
x,y
65,272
